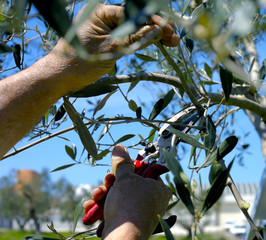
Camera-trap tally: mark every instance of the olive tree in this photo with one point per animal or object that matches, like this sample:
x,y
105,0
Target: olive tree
x,y
215,69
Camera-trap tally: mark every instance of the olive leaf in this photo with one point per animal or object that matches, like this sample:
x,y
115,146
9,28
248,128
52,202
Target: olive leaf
x,y
71,151
152,135
17,55
102,102
216,189
54,12
208,70
64,167
77,213
132,85
145,57
215,171
193,148
83,131
132,105
138,112
226,147
124,138
161,104
5,49
227,80
103,154
93,90
188,139
104,131
210,137
166,229
182,191
60,113
189,45
262,71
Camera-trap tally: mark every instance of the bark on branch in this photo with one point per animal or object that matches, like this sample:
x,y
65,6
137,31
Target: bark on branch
x,y
234,100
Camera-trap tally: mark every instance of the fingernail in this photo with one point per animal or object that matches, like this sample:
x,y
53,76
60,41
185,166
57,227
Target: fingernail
x,y
119,151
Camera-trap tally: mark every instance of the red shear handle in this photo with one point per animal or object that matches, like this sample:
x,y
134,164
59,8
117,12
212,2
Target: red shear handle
x,y
147,171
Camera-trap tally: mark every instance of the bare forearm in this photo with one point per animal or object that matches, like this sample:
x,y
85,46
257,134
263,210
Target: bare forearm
x,y
24,98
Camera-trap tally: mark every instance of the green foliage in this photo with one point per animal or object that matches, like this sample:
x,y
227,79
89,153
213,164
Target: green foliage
x,y
216,38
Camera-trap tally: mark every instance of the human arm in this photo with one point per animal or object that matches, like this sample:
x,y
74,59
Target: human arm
x,y
27,95
133,202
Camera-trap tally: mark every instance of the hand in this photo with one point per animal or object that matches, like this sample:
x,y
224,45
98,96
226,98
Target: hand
x,y
133,202
94,34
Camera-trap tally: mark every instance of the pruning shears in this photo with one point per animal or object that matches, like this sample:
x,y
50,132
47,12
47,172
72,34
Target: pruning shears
x,y
150,161
182,121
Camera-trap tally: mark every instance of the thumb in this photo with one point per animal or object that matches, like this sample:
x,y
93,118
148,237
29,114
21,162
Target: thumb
x,y
121,162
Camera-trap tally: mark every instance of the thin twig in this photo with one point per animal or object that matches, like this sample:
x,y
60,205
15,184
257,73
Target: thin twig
x,y
240,201
115,120
186,87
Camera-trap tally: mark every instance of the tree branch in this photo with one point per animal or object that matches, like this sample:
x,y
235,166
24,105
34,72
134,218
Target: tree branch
x,y
234,100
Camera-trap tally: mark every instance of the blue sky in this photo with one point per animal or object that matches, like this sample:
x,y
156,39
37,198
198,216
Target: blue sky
x,y
51,154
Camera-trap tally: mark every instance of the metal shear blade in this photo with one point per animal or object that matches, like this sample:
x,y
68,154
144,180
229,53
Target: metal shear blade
x,y
167,140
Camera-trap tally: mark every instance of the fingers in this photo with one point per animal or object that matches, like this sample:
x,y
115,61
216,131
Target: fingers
x,y
109,180
121,162
99,192
87,205
169,38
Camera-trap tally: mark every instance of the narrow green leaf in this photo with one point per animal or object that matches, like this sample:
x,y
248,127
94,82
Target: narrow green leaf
x,y
83,131
17,55
188,139
103,154
77,213
71,151
93,90
215,171
193,148
182,191
157,108
209,82
171,205
198,11
185,179
161,104
216,189
166,229
210,137
152,135
63,167
185,7
138,112
124,138
55,14
132,105
104,131
132,85
113,71
60,113
145,57
262,71
189,44
102,102
5,49
208,70
227,80
226,147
